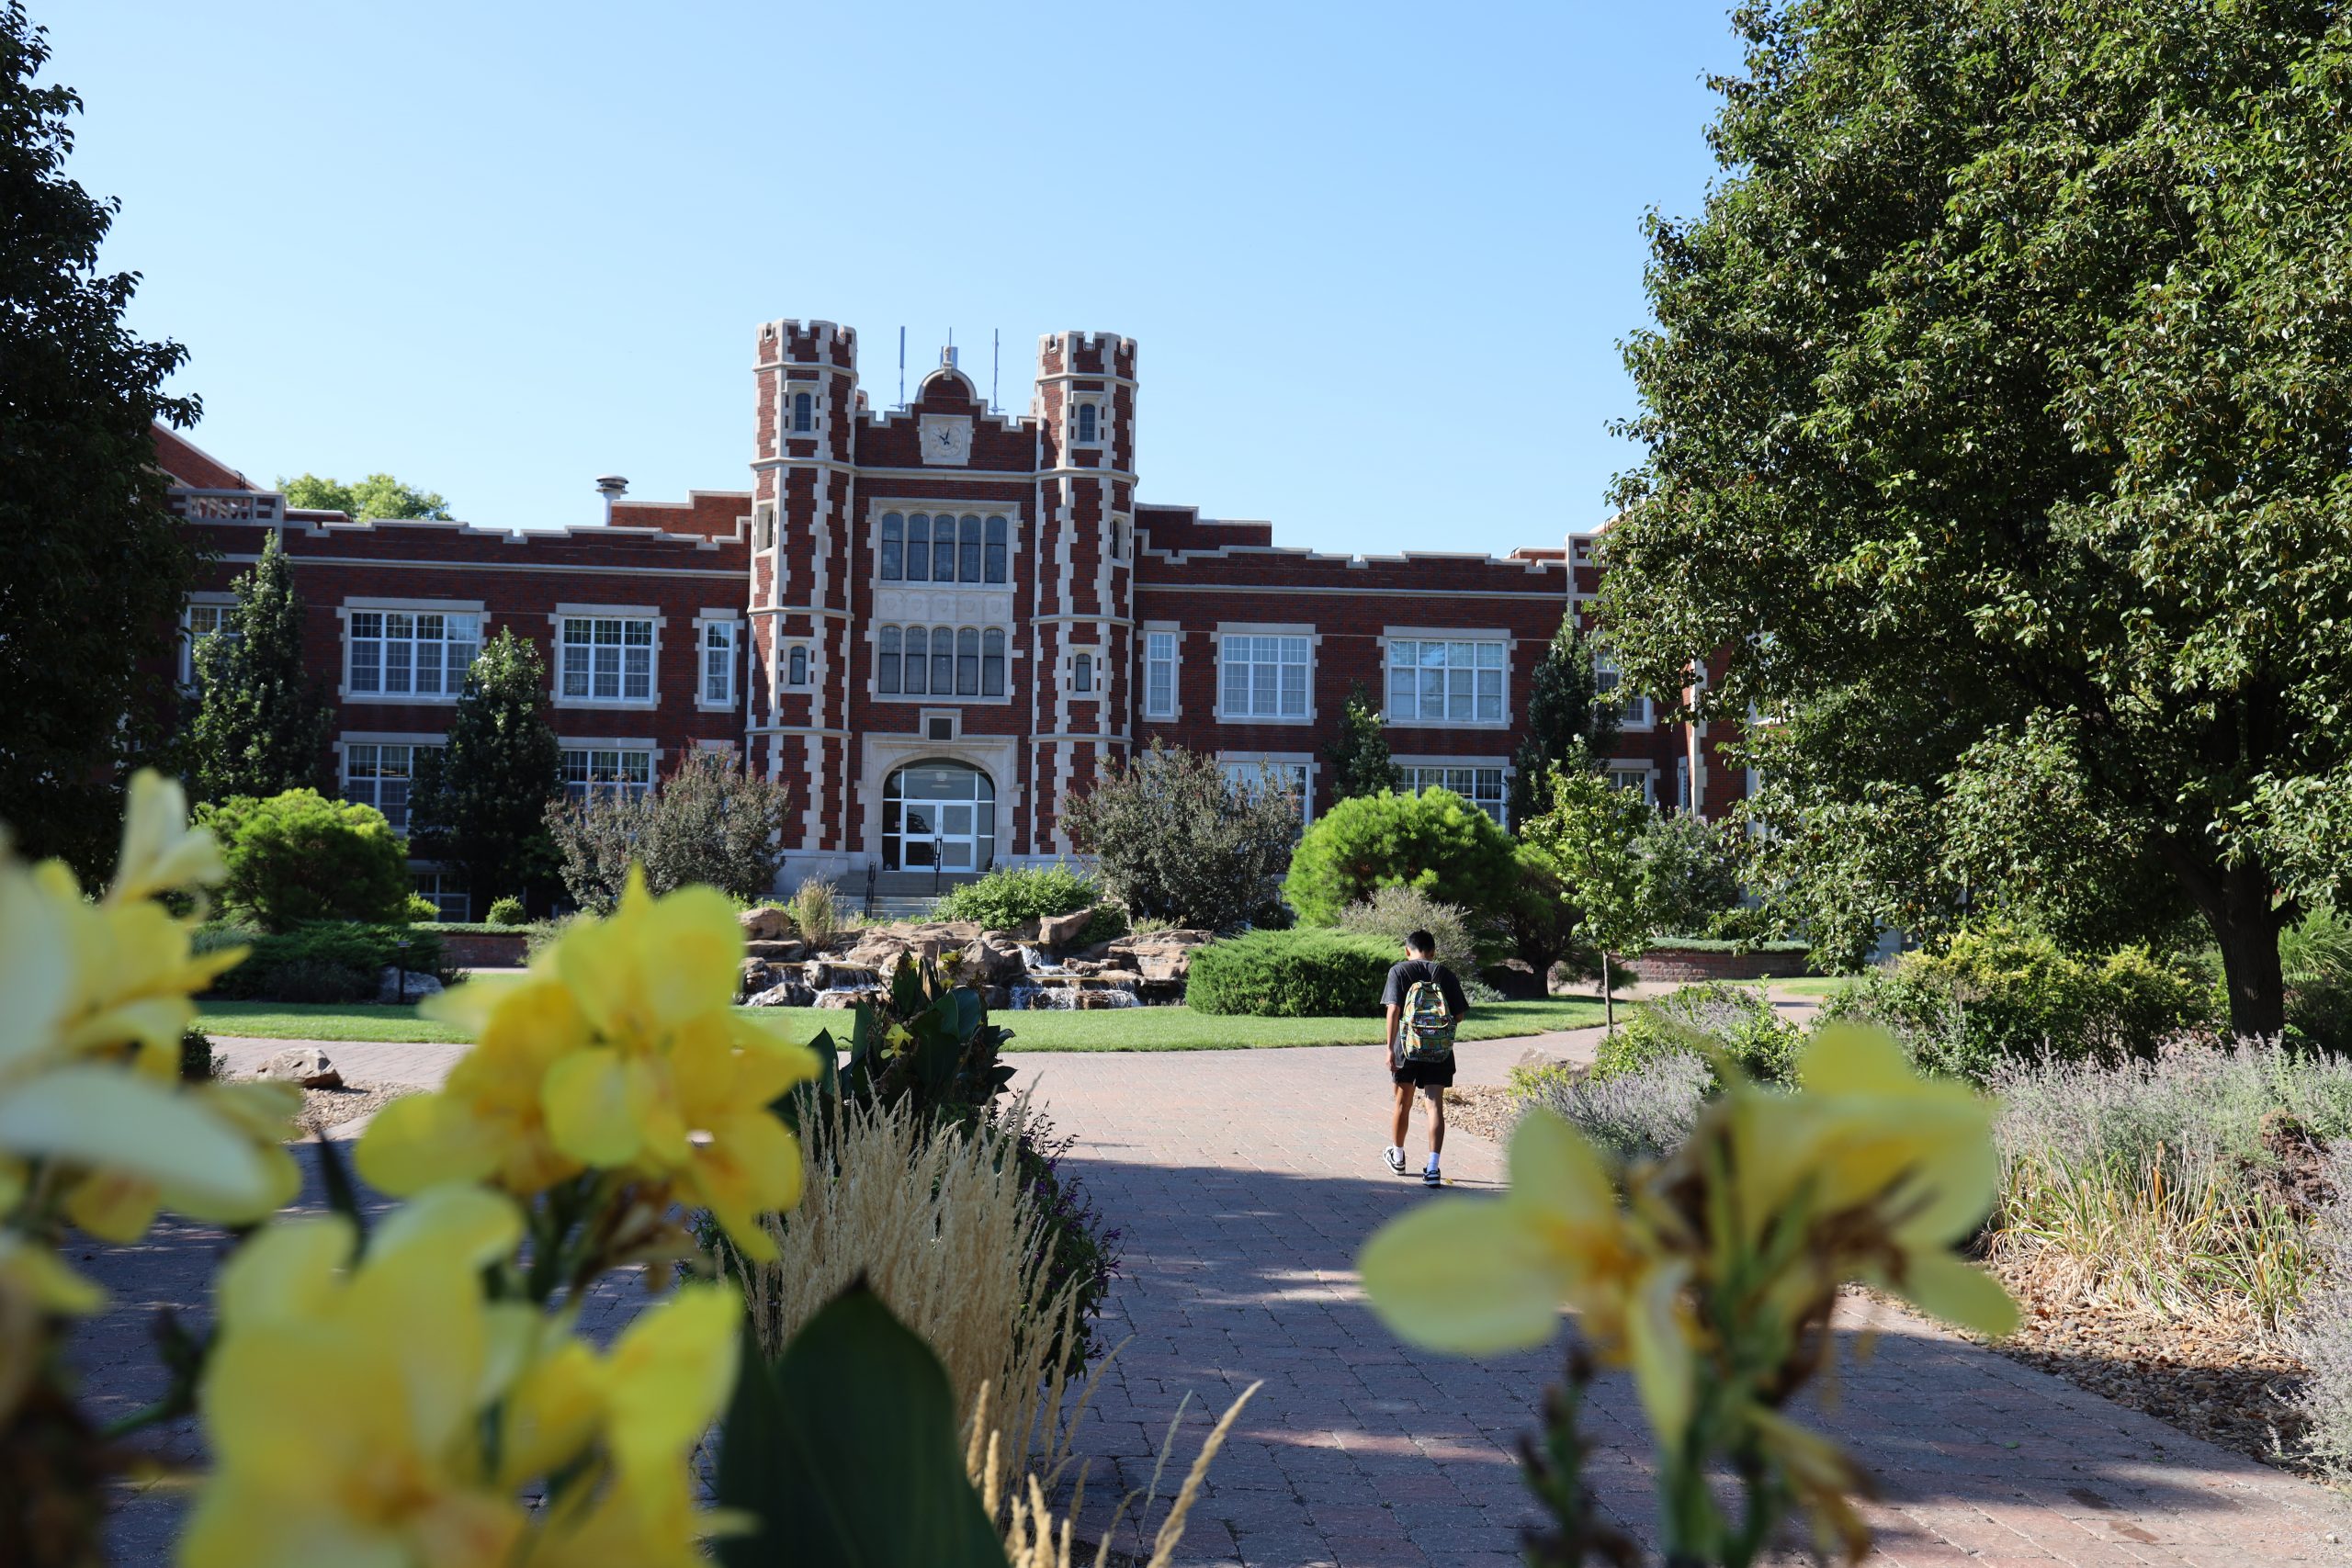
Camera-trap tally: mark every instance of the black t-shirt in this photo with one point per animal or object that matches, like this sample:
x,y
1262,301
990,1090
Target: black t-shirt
x,y
1401,978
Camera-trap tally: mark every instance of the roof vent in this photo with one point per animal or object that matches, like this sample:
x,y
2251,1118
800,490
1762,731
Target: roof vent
x,y
612,487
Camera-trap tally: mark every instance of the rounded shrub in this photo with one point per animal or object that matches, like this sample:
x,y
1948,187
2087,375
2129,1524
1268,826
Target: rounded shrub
x,y
1011,896
1738,1021
1309,972
300,856
1393,913
508,911
1435,842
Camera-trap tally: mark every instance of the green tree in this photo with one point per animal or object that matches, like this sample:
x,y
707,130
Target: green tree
x,y
1590,837
480,803
1996,420
298,856
1359,761
1568,724
710,822
94,569
377,495
1173,840
1435,841
1689,872
262,721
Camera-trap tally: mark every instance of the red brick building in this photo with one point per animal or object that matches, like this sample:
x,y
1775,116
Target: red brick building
x,y
932,623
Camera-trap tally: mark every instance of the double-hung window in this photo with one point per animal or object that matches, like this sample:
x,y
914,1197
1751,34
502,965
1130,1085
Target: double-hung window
x,y
804,413
1262,677
719,661
1433,681
1253,778
1159,674
411,652
600,771
199,622
608,659
382,775
1634,713
1483,787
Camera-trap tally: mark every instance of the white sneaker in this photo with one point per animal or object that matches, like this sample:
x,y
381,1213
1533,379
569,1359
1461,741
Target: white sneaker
x,y
1430,1177
1395,1158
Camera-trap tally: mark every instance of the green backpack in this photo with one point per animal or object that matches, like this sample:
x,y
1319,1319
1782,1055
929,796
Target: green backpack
x,y
1428,1024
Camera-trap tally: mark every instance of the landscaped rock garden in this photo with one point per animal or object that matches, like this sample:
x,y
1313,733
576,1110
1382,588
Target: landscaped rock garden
x,y
1044,964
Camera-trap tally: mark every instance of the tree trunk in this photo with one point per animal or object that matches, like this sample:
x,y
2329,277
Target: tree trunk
x,y
2237,905
1608,997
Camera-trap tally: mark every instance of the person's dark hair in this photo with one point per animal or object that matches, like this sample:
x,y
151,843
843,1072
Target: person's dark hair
x,y
1420,942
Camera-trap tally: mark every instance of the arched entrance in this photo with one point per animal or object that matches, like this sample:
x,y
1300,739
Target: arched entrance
x,y
938,816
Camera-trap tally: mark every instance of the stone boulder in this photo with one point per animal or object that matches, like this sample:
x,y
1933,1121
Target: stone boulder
x,y
307,1065
993,958
1163,956
783,994
881,947
391,986
848,998
1059,931
767,923
776,951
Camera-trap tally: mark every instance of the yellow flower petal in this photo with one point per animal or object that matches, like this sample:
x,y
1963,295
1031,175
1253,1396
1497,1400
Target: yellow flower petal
x,y
285,1274
160,851
1945,1287
592,1099
671,1373
1467,1275
422,1139
471,1226
37,969
1555,1165
31,1270
95,1115
1658,1348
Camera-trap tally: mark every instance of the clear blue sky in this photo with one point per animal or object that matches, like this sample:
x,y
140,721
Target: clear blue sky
x,y
1377,259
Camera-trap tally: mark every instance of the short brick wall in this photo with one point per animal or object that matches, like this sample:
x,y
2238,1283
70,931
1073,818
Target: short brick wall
x,y
1685,965
484,950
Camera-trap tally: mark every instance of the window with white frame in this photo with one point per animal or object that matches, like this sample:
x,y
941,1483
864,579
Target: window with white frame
x,y
804,412
1483,787
792,666
445,889
765,536
939,662
1159,674
606,658
197,622
1088,427
719,661
1638,777
383,775
419,653
942,546
1122,537
1082,674
1634,713
1446,682
1263,676
606,771
1252,778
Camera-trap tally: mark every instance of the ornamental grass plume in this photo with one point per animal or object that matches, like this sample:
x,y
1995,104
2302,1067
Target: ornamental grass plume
x,y
1712,1273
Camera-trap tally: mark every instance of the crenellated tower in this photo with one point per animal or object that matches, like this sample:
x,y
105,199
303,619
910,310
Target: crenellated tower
x,y
1081,632
797,721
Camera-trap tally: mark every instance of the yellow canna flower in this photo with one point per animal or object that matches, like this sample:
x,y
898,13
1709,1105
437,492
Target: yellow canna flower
x,y
113,1203
161,853
621,1050
1474,1276
389,1469
33,1285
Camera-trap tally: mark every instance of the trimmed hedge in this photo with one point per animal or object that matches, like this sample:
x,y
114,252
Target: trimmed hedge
x,y
1313,972
320,961
1723,944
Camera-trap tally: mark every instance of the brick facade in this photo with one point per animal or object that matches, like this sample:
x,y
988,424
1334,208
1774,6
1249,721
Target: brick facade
x,y
1065,625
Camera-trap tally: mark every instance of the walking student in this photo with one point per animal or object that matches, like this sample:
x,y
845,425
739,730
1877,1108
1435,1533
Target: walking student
x,y
1424,1002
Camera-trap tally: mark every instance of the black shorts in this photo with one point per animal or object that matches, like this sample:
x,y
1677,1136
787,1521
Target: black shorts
x,y
1425,1075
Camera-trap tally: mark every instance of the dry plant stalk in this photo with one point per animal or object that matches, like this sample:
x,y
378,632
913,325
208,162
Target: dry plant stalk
x,y
1033,1538
937,1221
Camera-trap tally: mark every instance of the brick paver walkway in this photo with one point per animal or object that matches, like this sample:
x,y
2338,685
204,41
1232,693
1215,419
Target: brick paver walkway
x,y
1245,1181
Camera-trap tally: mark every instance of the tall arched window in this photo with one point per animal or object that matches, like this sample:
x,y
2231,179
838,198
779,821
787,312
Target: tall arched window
x,y
992,663
796,666
885,678
1085,417
942,662
996,532
1082,674
968,554
894,528
916,641
804,413
918,548
968,662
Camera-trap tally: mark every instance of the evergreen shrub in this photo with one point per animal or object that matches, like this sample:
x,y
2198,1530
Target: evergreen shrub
x,y
1309,972
1010,895
298,856
508,911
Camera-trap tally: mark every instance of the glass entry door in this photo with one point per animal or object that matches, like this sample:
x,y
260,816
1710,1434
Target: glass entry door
x,y
938,816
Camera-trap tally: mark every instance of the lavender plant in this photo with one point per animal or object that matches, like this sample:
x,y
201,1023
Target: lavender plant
x,y
1646,1113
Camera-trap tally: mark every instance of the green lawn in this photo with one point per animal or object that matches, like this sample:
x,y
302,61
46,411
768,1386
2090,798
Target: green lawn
x,y
1120,1029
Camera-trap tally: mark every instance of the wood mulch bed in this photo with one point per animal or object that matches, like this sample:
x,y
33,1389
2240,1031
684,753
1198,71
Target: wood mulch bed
x,y
325,1108
2218,1381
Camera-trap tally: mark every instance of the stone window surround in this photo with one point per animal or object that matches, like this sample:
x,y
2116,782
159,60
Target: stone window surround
x,y
735,694
984,510
1174,631
652,701
366,602
1306,629
1446,634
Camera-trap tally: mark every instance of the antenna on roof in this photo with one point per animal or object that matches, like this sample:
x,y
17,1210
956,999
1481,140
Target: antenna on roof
x,y
996,343
902,368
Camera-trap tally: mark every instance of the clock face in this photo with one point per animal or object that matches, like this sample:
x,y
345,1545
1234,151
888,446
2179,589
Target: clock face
x,y
946,438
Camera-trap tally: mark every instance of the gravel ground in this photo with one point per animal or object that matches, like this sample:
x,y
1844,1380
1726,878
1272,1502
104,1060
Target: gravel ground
x,y
325,1108
2218,1381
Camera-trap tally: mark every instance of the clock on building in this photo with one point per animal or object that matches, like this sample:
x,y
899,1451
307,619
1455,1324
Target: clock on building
x,y
947,438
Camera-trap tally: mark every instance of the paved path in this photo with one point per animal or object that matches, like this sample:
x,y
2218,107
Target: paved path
x,y
1245,1181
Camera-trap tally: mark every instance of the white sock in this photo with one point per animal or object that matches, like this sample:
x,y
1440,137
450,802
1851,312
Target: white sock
x,y
1397,1150
1432,1164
